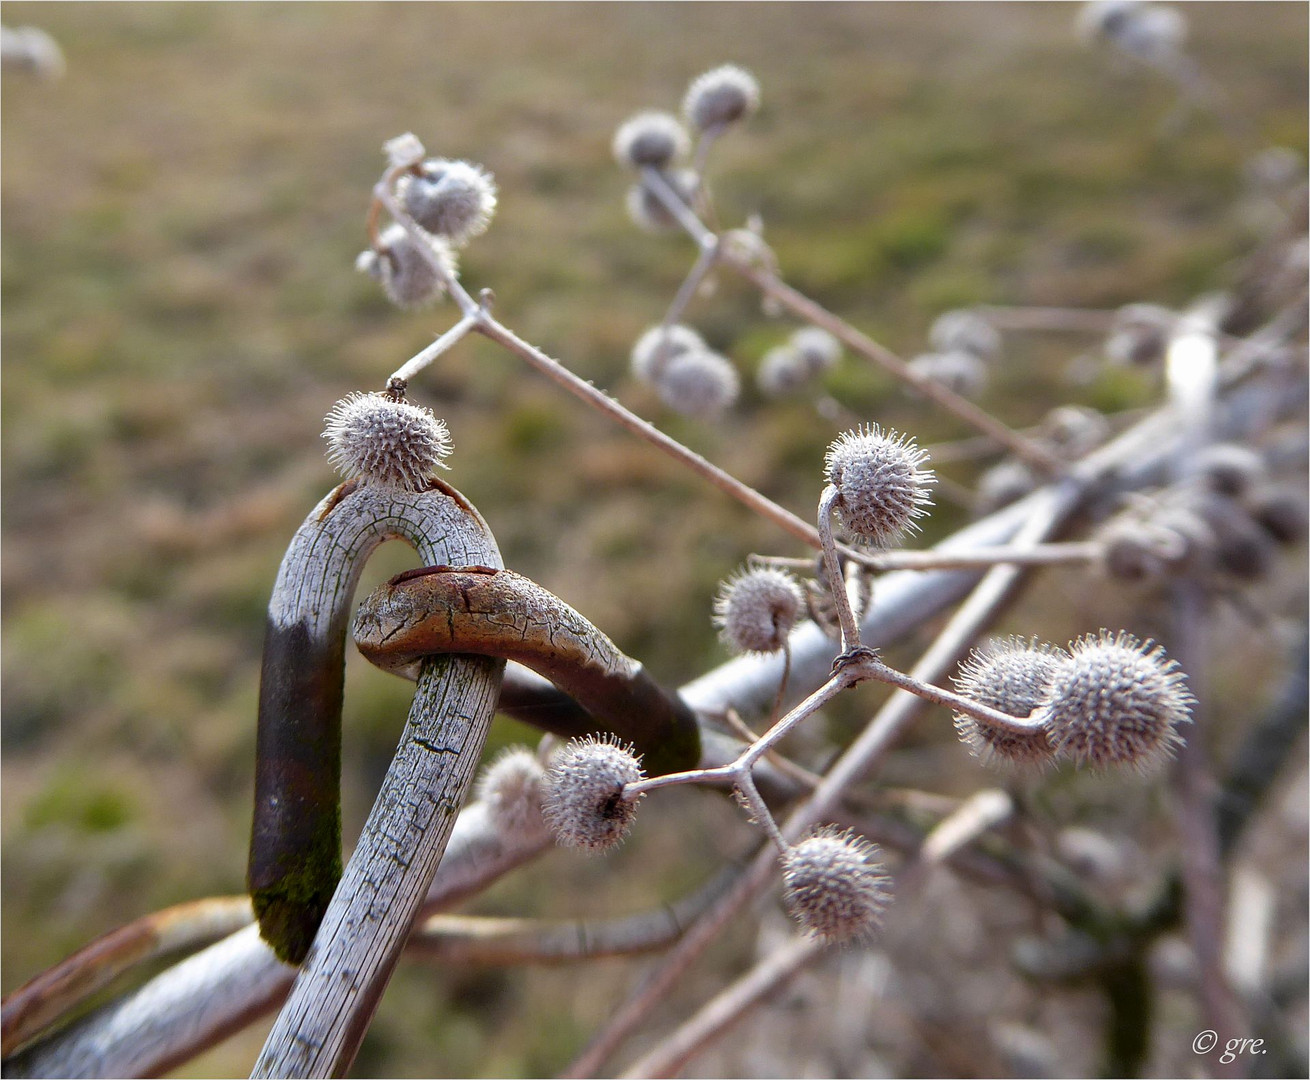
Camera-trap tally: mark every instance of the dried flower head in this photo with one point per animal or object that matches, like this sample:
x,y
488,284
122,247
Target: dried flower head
x,y
1005,482
1229,468
385,440
406,273
584,805
782,371
1073,430
660,344
721,96
965,331
1012,675
652,138
756,609
512,789
835,886
1117,702
451,199
1139,334
698,383
818,348
645,208
1280,510
881,488
961,372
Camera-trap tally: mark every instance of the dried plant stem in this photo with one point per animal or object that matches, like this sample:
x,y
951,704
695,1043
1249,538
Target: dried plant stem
x,y
850,629
705,261
717,1016
445,342
1073,552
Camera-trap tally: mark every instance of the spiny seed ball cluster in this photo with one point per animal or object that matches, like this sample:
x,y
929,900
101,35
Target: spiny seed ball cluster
x,y
512,789
965,331
698,383
645,208
756,610
721,96
1117,702
1229,468
655,139
1242,549
404,271
881,488
959,371
584,805
1137,550
1013,676
660,344
1073,430
1139,334
834,886
386,441
1280,511
453,199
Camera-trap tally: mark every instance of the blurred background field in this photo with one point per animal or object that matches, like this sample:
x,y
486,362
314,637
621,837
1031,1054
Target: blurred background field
x,y
181,213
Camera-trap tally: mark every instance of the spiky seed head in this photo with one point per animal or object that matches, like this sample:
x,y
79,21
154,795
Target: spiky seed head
x,y
721,96
1192,545
835,886
1280,510
1103,18
959,371
965,331
512,789
1138,550
1153,33
651,215
451,199
27,48
1117,702
756,609
1073,430
660,344
881,487
1139,334
584,804
1012,675
782,371
385,440
404,150
698,383
1229,468
406,274
819,349
1004,483
1242,548
652,138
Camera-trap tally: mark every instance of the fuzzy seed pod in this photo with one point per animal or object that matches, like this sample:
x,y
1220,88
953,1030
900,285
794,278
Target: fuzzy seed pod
x,y
386,441
512,789
756,610
881,488
1280,511
407,276
1004,483
819,349
584,805
1139,334
404,150
721,96
1242,548
835,886
1117,702
698,383
782,371
660,344
965,331
1104,18
959,371
1229,468
646,210
1013,676
1073,430
451,199
657,139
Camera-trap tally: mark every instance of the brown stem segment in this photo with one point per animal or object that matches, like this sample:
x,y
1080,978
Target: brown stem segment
x,y
488,612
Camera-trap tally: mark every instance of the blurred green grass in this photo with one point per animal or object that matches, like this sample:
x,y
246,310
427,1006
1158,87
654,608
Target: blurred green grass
x,y
180,217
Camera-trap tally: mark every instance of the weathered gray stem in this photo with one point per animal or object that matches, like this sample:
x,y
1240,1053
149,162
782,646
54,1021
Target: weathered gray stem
x,y
364,928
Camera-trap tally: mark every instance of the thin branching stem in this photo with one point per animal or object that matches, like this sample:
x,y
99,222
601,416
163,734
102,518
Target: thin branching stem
x,y
850,629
